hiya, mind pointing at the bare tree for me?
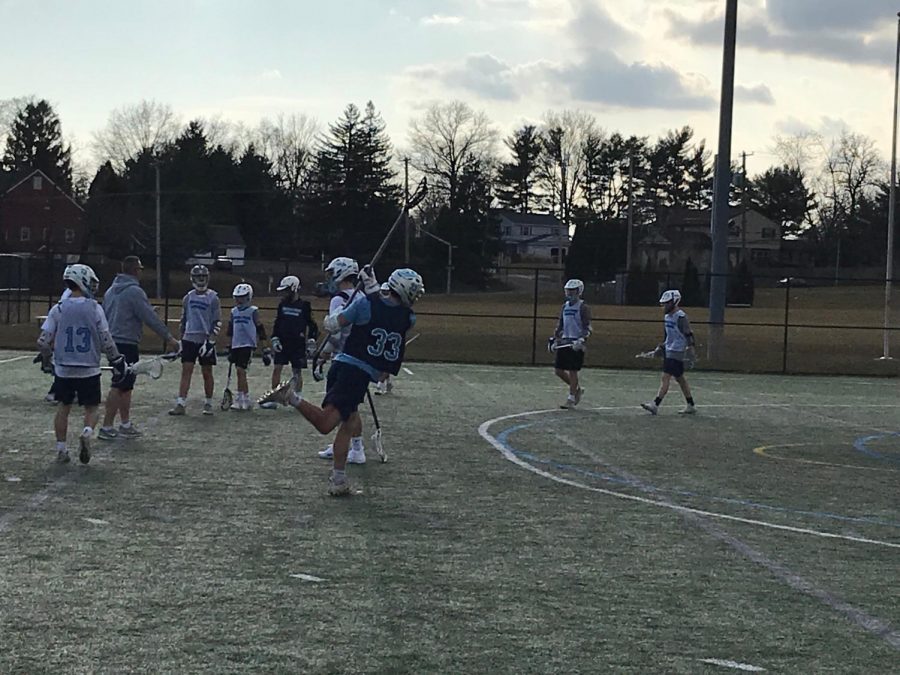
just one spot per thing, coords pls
(132, 129)
(449, 138)
(566, 135)
(288, 142)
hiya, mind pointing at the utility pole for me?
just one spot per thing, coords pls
(892, 208)
(719, 282)
(159, 272)
(406, 209)
(744, 204)
(628, 246)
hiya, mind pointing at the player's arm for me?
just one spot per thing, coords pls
(48, 333)
(215, 311)
(359, 312)
(182, 325)
(107, 344)
(312, 328)
(586, 320)
(685, 327)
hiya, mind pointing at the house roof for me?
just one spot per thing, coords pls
(547, 219)
(226, 235)
(46, 178)
(682, 217)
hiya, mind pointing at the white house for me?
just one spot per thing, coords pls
(225, 241)
(534, 236)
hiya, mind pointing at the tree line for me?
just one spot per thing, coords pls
(292, 187)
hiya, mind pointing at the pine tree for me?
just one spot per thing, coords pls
(516, 179)
(35, 142)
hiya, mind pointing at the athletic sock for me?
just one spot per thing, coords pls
(60, 446)
(657, 401)
(125, 425)
(209, 401)
(179, 400)
(356, 443)
(338, 476)
(88, 432)
(690, 400)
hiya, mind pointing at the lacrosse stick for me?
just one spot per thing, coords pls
(565, 345)
(227, 396)
(152, 367)
(414, 199)
(413, 338)
(376, 437)
(646, 355)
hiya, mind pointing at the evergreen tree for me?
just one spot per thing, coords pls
(35, 142)
(691, 291)
(516, 179)
(781, 194)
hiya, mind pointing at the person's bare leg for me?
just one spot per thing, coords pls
(323, 419)
(276, 375)
(573, 382)
(341, 446)
(664, 386)
(208, 382)
(125, 407)
(685, 388)
(61, 422)
(242, 380)
(564, 376)
(91, 414)
(187, 371)
(113, 406)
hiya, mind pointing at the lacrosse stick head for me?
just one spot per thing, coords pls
(152, 367)
(379, 446)
(645, 355)
(227, 399)
(317, 373)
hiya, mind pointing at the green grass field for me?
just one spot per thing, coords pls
(503, 536)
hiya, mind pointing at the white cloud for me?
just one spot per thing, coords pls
(441, 20)
(757, 94)
(271, 74)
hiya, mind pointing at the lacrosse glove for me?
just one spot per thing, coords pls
(550, 342)
(310, 348)
(578, 345)
(331, 324)
(46, 363)
(370, 283)
(207, 349)
(276, 345)
(267, 357)
(120, 369)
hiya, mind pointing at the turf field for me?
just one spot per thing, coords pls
(503, 536)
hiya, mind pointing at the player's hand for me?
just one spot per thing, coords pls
(310, 348)
(370, 283)
(120, 369)
(331, 323)
(207, 349)
(174, 344)
(550, 342)
(267, 357)
(276, 345)
(46, 362)
(578, 345)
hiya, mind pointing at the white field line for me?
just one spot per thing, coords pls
(96, 521)
(855, 615)
(17, 358)
(512, 457)
(407, 370)
(307, 577)
(726, 663)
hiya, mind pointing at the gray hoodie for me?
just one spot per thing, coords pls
(128, 309)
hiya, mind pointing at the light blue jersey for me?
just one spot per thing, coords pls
(77, 329)
(201, 313)
(574, 321)
(243, 326)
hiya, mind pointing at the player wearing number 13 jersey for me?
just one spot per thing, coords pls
(375, 346)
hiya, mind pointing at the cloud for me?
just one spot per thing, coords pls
(592, 27)
(840, 37)
(759, 94)
(802, 16)
(481, 74)
(440, 20)
(271, 74)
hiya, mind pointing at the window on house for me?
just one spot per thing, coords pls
(768, 233)
(25, 234)
(37, 182)
(70, 236)
(507, 230)
(525, 230)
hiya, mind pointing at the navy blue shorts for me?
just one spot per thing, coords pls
(131, 354)
(345, 388)
(296, 356)
(569, 359)
(190, 353)
(85, 389)
(673, 367)
(240, 356)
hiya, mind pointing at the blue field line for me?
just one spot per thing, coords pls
(861, 444)
(503, 437)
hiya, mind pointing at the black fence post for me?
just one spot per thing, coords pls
(787, 305)
(534, 317)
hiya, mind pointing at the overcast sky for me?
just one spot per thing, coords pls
(641, 66)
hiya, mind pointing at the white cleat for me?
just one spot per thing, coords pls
(62, 456)
(569, 404)
(341, 489)
(356, 456)
(327, 453)
(688, 410)
(650, 407)
(208, 409)
(269, 405)
(578, 395)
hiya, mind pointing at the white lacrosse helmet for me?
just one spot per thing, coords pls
(673, 296)
(200, 277)
(83, 277)
(407, 284)
(289, 283)
(242, 294)
(341, 268)
(576, 285)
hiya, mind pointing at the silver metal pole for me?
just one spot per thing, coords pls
(719, 267)
(159, 293)
(889, 265)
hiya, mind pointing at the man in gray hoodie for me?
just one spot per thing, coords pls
(127, 310)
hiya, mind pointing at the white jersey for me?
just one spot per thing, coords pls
(200, 314)
(76, 326)
(336, 305)
(678, 335)
(574, 321)
(243, 326)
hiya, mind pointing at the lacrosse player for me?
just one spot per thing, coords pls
(245, 330)
(127, 309)
(342, 275)
(74, 334)
(201, 320)
(51, 395)
(293, 335)
(375, 346)
(568, 340)
(385, 386)
(676, 349)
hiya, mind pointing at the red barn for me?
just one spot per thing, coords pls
(35, 214)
